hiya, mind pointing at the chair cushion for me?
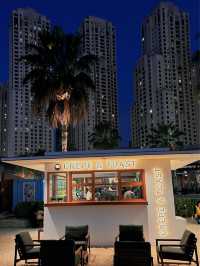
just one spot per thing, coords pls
(25, 240)
(131, 233)
(77, 233)
(82, 244)
(173, 253)
(33, 253)
(188, 241)
(185, 237)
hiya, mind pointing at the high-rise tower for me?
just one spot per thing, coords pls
(27, 133)
(163, 87)
(3, 119)
(196, 86)
(98, 38)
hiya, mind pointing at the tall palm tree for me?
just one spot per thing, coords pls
(166, 135)
(60, 78)
(104, 136)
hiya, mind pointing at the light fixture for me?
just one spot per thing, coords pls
(57, 166)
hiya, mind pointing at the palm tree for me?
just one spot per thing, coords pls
(60, 78)
(104, 136)
(166, 135)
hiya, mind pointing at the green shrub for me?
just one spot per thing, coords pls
(27, 209)
(184, 206)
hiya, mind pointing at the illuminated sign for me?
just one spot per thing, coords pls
(103, 164)
(161, 203)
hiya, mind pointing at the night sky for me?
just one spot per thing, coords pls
(126, 16)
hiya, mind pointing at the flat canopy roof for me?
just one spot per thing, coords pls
(177, 158)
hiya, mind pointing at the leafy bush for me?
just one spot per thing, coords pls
(28, 210)
(184, 206)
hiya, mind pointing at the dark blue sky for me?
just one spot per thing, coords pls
(126, 16)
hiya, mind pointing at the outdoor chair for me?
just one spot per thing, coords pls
(137, 253)
(60, 252)
(80, 234)
(130, 233)
(26, 248)
(174, 253)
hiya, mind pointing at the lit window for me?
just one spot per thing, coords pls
(131, 185)
(82, 187)
(106, 186)
(58, 187)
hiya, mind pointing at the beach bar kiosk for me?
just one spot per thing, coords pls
(107, 188)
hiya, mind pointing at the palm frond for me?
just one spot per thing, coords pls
(86, 62)
(165, 135)
(104, 136)
(83, 80)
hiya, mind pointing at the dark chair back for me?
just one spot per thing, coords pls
(189, 243)
(57, 252)
(131, 233)
(77, 233)
(132, 253)
(24, 243)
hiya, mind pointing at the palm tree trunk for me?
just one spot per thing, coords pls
(64, 137)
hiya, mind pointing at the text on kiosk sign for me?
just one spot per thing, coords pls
(99, 164)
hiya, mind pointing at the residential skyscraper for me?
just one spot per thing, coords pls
(3, 119)
(98, 38)
(196, 86)
(162, 76)
(27, 133)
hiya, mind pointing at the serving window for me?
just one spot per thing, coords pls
(96, 187)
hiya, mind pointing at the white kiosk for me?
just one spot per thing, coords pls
(106, 188)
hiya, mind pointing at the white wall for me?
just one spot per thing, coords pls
(103, 220)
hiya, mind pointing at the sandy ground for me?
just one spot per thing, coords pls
(98, 257)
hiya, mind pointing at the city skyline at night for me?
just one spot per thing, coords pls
(126, 18)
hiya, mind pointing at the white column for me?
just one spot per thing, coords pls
(161, 211)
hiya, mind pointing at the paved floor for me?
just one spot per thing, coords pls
(99, 256)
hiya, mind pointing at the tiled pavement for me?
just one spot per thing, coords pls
(98, 257)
